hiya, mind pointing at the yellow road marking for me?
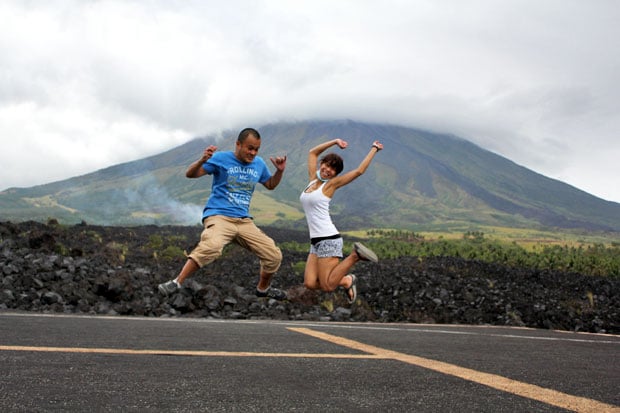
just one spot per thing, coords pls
(549, 396)
(531, 391)
(184, 352)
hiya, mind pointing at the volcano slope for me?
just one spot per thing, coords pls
(115, 271)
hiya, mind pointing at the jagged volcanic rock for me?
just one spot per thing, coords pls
(115, 271)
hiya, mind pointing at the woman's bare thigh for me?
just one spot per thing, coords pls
(324, 269)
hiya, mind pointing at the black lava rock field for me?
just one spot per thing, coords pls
(85, 269)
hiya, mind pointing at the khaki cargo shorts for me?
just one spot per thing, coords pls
(220, 230)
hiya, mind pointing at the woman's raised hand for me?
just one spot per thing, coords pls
(341, 143)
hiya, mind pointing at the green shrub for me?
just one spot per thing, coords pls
(171, 252)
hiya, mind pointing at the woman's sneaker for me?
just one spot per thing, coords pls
(365, 253)
(271, 293)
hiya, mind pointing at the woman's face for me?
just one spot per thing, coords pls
(326, 171)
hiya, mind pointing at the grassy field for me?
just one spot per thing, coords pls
(567, 251)
(266, 210)
(529, 239)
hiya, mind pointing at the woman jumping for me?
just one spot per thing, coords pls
(324, 268)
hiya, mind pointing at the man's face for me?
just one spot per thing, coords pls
(246, 151)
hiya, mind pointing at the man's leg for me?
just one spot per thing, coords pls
(172, 286)
(264, 281)
(188, 269)
(218, 231)
(255, 240)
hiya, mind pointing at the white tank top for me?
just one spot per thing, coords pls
(316, 208)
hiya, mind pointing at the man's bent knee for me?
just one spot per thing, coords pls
(271, 263)
(202, 258)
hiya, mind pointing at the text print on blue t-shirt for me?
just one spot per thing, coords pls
(233, 184)
(241, 181)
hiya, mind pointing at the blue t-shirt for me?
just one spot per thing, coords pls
(233, 184)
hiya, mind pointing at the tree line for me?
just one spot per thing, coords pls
(593, 259)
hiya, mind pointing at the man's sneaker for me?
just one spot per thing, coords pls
(168, 287)
(272, 293)
(365, 253)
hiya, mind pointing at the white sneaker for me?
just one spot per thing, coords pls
(168, 287)
(365, 253)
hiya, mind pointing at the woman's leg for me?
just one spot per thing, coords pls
(311, 273)
(332, 272)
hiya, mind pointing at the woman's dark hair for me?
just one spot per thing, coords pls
(247, 132)
(333, 161)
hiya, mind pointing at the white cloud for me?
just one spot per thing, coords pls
(85, 85)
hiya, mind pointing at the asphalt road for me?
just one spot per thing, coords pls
(96, 364)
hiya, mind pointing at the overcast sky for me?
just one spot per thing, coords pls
(89, 84)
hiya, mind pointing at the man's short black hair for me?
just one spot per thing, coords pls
(243, 135)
